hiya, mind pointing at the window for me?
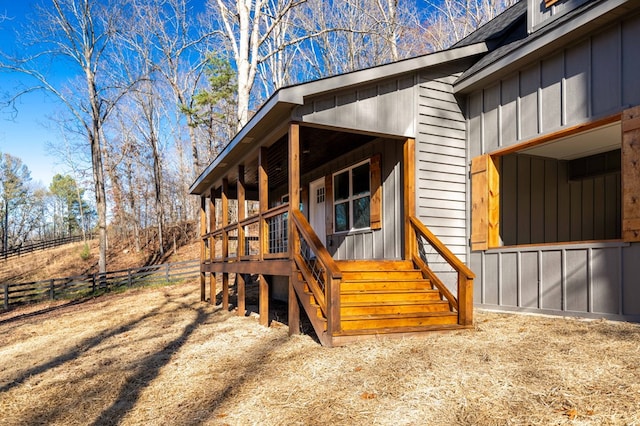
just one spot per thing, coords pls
(352, 198)
(549, 193)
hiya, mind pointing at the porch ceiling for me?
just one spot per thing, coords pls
(317, 147)
(594, 141)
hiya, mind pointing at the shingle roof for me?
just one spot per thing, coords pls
(499, 27)
(517, 35)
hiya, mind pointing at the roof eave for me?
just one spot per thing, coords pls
(289, 97)
(547, 42)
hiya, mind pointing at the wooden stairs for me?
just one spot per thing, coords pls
(380, 298)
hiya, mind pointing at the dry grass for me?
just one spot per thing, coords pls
(159, 356)
(66, 261)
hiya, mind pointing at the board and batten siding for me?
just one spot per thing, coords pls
(384, 107)
(591, 78)
(586, 279)
(539, 14)
(539, 204)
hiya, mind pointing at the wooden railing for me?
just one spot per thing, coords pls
(464, 301)
(91, 284)
(319, 270)
(40, 245)
(243, 240)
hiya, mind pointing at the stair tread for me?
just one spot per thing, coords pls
(393, 280)
(400, 330)
(401, 315)
(389, 291)
(392, 303)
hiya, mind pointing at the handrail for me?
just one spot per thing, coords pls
(464, 302)
(328, 297)
(315, 244)
(283, 208)
(249, 220)
(444, 251)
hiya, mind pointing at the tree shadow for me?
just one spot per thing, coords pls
(46, 310)
(149, 369)
(81, 348)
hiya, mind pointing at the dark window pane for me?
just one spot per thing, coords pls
(361, 215)
(361, 179)
(341, 186)
(342, 217)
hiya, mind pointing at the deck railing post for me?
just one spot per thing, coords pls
(167, 274)
(6, 297)
(465, 300)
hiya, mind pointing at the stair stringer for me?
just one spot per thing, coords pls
(304, 297)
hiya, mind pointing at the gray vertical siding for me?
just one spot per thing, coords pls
(539, 205)
(593, 77)
(385, 107)
(540, 14)
(587, 279)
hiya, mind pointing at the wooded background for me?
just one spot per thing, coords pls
(153, 89)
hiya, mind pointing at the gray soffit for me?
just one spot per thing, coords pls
(278, 108)
(512, 55)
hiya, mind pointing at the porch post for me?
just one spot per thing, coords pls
(212, 245)
(263, 197)
(294, 310)
(203, 232)
(409, 185)
(241, 211)
(264, 301)
(225, 241)
(294, 184)
(294, 204)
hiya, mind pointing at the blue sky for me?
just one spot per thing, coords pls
(26, 134)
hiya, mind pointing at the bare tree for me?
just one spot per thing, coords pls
(452, 20)
(246, 25)
(174, 43)
(79, 34)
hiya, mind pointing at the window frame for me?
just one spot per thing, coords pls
(351, 198)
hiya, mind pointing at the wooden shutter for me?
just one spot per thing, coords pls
(630, 163)
(485, 202)
(376, 193)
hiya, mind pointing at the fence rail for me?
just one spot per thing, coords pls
(40, 245)
(85, 285)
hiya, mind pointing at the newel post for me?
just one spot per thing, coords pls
(465, 300)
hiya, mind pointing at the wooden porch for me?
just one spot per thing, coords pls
(345, 300)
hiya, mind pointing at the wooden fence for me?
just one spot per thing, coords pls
(86, 285)
(40, 245)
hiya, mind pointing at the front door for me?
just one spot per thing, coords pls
(317, 208)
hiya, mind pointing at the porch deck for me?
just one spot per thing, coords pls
(345, 300)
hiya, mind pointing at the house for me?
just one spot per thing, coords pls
(368, 198)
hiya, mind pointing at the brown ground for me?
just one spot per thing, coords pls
(66, 261)
(161, 357)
